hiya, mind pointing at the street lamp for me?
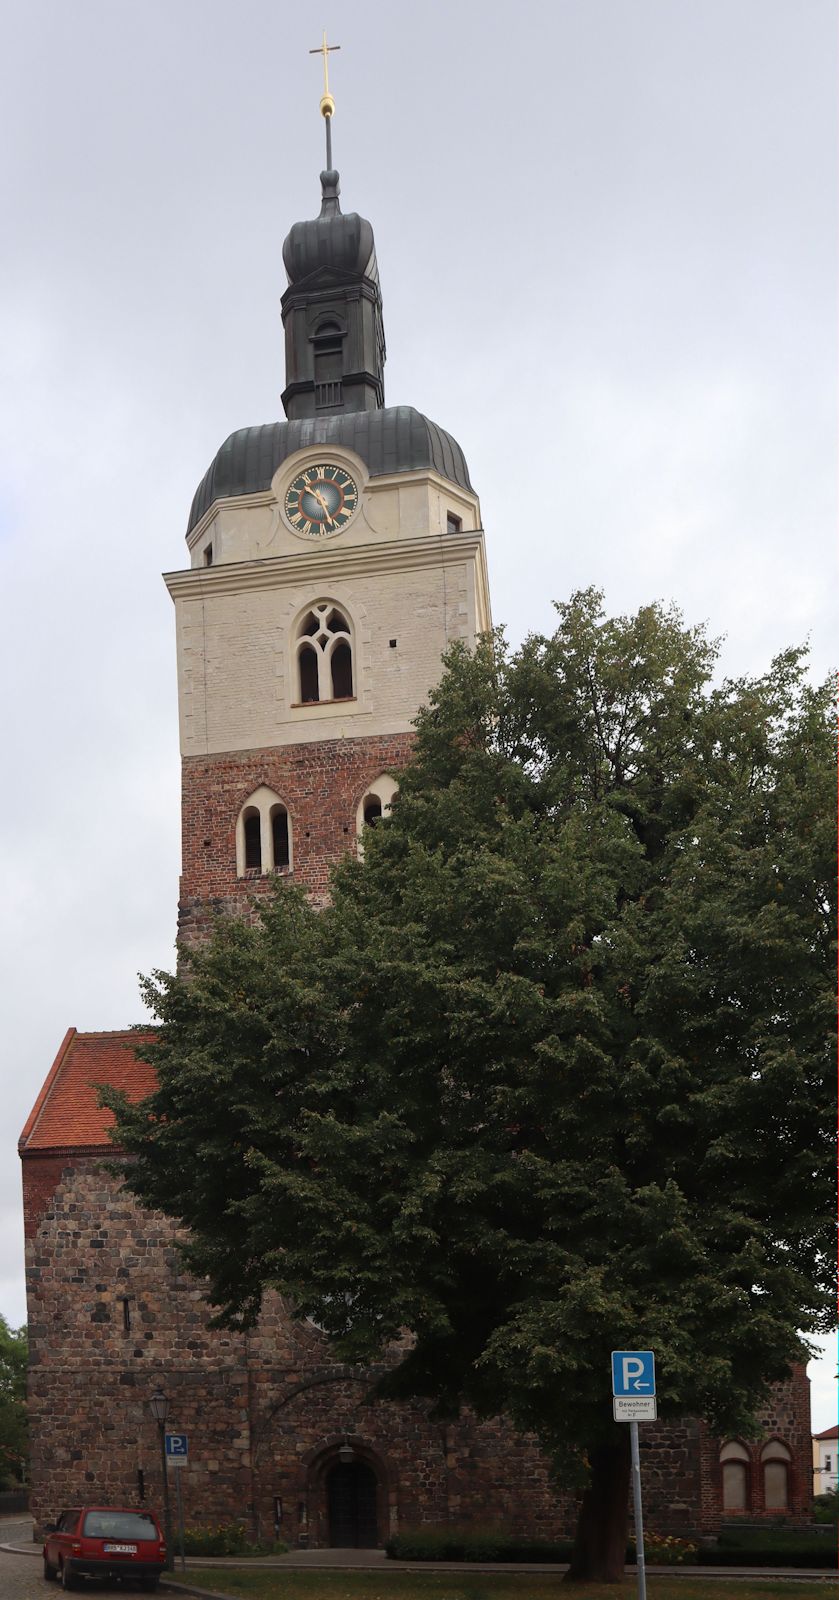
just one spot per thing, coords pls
(159, 1403)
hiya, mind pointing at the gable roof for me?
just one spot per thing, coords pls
(828, 1433)
(66, 1114)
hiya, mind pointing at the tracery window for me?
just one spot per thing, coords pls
(324, 650)
(263, 835)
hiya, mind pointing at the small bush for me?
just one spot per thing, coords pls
(664, 1550)
(229, 1539)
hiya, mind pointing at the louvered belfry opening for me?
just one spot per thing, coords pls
(332, 313)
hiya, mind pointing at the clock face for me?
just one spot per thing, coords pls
(321, 500)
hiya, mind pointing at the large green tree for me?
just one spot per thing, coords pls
(551, 1075)
(13, 1424)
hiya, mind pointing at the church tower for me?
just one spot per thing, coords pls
(334, 556)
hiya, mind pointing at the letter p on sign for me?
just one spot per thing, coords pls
(633, 1372)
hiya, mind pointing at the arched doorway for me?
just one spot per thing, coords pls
(351, 1494)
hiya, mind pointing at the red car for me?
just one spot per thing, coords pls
(104, 1542)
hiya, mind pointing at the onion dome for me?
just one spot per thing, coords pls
(332, 240)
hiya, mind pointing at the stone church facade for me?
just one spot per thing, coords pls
(333, 557)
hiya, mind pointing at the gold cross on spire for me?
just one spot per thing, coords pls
(327, 104)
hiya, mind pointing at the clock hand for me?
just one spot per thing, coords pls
(316, 494)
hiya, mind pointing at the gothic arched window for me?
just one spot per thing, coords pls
(263, 835)
(374, 804)
(324, 652)
(774, 1460)
(734, 1462)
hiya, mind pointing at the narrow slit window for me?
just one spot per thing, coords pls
(208, 555)
(253, 842)
(126, 1315)
(453, 523)
(279, 833)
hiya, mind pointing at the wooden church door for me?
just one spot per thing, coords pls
(351, 1490)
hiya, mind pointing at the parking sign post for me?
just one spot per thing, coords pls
(177, 1455)
(633, 1397)
(640, 1559)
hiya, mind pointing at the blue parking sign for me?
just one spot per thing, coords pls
(177, 1447)
(633, 1373)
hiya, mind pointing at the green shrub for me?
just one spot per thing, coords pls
(474, 1544)
(775, 1538)
(229, 1539)
(777, 1547)
(664, 1550)
(225, 1540)
(826, 1506)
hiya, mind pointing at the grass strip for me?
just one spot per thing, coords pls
(389, 1585)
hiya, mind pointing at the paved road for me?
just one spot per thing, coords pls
(21, 1575)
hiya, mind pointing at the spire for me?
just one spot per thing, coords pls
(332, 308)
(327, 103)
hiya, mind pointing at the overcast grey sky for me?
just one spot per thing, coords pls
(606, 236)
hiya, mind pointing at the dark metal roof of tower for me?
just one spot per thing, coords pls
(335, 353)
(335, 239)
(393, 439)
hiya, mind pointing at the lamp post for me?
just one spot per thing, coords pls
(159, 1403)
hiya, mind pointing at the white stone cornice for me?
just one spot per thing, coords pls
(317, 566)
(378, 485)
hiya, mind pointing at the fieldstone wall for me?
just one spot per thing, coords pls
(112, 1316)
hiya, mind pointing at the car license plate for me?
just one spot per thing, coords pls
(120, 1549)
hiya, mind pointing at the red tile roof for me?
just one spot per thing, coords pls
(828, 1433)
(66, 1114)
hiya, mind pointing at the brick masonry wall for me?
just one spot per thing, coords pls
(319, 784)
